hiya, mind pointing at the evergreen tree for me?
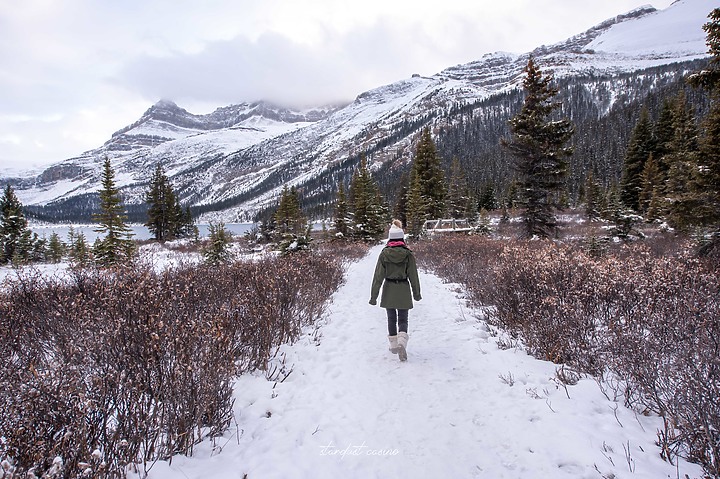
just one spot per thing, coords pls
(639, 149)
(593, 198)
(651, 184)
(166, 218)
(288, 216)
(78, 249)
(538, 145)
(663, 133)
(161, 203)
(368, 212)
(417, 207)
(342, 222)
(681, 186)
(291, 227)
(612, 207)
(512, 196)
(56, 248)
(429, 175)
(13, 225)
(29, 248)
(685, 136)
(39, 250)
(472, 211)
(218, 248)
(483, 224)
(708, 181)
(378, 215)
(488, 199)
(458, 195)
(187, 227)
(117, 246)
(400, 210)
(710, 77)
(616, 212)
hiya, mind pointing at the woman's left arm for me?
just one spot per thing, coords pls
(412, 273)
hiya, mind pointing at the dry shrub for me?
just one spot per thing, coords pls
(664, 342)
(116, 368)
(653, 321)
(343, 251)
(461, 259)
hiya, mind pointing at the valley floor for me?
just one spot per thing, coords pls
(460, 407)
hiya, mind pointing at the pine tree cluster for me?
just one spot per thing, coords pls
(672, 167)
(368, 213)
(167, 220)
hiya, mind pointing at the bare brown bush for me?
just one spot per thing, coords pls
(342, 251)
(653, 321)
(113, 369)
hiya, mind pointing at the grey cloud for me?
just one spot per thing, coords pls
(276, 68)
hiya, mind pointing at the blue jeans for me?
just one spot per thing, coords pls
(397, 319)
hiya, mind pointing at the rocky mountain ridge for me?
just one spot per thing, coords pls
(233, 162)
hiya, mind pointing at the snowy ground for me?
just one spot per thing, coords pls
(350, 409)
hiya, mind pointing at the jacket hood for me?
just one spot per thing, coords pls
(397, 254)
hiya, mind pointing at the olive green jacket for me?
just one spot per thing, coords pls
(396, 263)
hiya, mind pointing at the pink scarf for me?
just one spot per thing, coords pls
(395, 243)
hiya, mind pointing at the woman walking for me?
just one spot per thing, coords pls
(396, 272)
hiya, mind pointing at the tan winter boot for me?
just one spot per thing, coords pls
(402, 340)
(393, 344)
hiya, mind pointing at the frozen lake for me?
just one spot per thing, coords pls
(140, 232)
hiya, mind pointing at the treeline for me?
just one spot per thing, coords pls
(165, 218)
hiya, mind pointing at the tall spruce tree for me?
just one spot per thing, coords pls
(13, 225)
(663, 133)
(651, 182)
(400, 210)
(708, 181)
(417, 207)
(458, 192)
(681, 186)
(342, 222)
(427, 190)
(538, 145)
(427, 166)
(162, 214)
(116, 247)
(368, 211)
(640, 147)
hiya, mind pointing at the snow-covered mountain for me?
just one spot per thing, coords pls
(233, 162)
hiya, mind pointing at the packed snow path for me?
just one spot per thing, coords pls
(351, 409)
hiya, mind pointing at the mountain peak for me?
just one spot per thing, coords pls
(165, 103)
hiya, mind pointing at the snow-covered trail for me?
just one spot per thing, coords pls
(350, 409)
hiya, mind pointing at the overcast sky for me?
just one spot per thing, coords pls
(74, 71)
